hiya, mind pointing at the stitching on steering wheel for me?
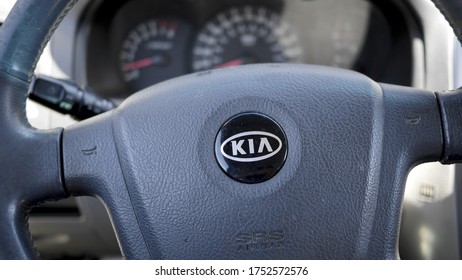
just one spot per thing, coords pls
(68, 7)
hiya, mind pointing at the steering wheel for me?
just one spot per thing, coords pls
(252, 162)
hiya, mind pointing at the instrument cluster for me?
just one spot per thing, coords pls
(135, 44)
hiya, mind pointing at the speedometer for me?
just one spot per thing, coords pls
(244, 35)
(154, 51)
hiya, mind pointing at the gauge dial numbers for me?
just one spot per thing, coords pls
(244, 35)
(153, 51)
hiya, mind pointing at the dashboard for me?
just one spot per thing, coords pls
(119, 47)
(130, 45)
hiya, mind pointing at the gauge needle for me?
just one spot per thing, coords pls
(234, 62)
(145, 62)
(158, 60)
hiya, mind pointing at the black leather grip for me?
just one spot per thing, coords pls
(25, 33)
(450, 103)
(30, 172)
(451, 9)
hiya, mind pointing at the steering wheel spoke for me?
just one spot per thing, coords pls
(412, 135)
(92, 168)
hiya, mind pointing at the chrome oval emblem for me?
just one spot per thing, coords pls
(257, 144)
(251, 148)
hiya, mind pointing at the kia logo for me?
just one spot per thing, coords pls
(251, 146)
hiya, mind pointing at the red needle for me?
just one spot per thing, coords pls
(234, 62)
(145, 62)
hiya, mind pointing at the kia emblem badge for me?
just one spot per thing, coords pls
(251, 148)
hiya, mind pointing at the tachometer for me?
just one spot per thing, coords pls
(154, 51)
(245, 35)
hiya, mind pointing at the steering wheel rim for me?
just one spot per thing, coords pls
(104, 158)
